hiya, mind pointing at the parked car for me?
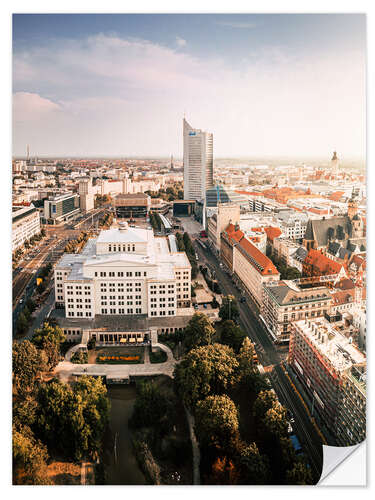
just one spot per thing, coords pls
(205, 306)
(243, 299)
(195, 306)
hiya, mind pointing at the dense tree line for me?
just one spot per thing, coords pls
(241, 427)
(52, 417)
(73, 245)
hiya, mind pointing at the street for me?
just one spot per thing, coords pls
(271, 357)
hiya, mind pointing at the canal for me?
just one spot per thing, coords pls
(121, 466)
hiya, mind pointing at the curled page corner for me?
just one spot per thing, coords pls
(333, 456)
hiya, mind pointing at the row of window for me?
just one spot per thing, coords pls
(119, 274)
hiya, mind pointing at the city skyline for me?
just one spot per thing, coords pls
(264, 85)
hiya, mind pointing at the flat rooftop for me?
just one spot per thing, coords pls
(333, 345)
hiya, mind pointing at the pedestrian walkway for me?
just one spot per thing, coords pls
(66, 369)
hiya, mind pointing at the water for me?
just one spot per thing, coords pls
(120, 464)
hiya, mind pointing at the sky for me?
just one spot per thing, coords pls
(119, 85)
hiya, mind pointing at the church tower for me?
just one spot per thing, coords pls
(335, 163)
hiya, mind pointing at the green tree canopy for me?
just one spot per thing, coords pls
(48, 332)
(216, 421)
(199, 331)
(229, 308)
(26, 365)
(254, 466)
(151, 407)
(275, 420)
(232, 335)
(263, 403)
(246, 358)
(204, 371)
(73, 418)
(30, 458)
(300, 474)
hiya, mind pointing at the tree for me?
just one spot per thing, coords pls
(21, 324)
(51, 350)
(24, 411)
(26, 361)
(150, 407)
(205, 370)
(300, 474)
(254, 466)
(30, 458)
(275, 420)
(232, 335)
(224, 472)
(199, 331)
(263, 403)
(72, 419)
(216, 421)
(53, 333)
(229, 308)
(246, 358)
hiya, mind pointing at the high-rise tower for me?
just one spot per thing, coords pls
(198, 162)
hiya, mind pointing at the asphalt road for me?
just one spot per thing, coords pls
(271, 357)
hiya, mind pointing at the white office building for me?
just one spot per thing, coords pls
(25, 225)
(198, 162)
(124, 271)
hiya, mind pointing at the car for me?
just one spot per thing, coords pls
(21, 300)
(195, 306)
(243, 299)
(205, 306)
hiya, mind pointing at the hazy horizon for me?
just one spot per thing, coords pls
(266, 86)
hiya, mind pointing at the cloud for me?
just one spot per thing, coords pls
(32, 107)
(117, 96)
(180, 42)
(235, 24)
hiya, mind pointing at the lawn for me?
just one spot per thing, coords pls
(158, 356)
(118, 355)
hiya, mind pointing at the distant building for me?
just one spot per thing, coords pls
(61, 208)
(183, 208)
(25, 224)
(86, 194)
(227, 213)
(333, 372)
(132, 205)
(198, 162)
(346, 231)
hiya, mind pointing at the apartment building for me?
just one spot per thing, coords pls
(286, 301)
(25, 225)
(250, 265)
(124, 271)
(333, 372)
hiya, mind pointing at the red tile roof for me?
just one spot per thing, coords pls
(257, 259)
(272, 232)
(322, 263)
